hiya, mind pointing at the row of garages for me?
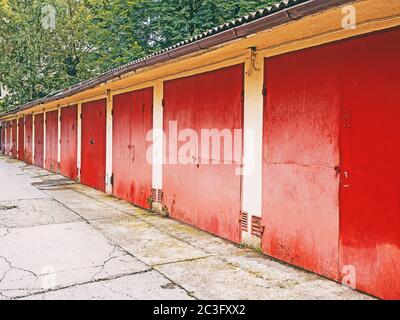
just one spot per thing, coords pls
(330, 178)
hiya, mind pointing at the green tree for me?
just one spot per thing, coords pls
(38, 58)
(160, 24)
(91, 36)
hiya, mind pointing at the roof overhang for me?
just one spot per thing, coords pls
(268, 18)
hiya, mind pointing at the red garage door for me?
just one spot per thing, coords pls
(93, 167)
(332, 118)
(39, 137)
(300, 185)
(52, 141)
(205, 195)
(8, 138)
(133, 119)
(370, 176)
(69, 139)
(2, 139)
(14, 130)
(28, 139)
(21, 139)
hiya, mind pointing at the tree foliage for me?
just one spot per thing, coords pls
(92, 36)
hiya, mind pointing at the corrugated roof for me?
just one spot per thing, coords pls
(272, 16)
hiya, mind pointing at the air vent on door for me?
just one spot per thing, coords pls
(157, 195)
(245, 222)
(160, 196)
(154, 195)
(257, 229)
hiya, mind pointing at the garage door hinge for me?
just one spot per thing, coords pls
(112, 179)
(163, 103)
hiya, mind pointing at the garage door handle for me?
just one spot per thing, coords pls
(92, 141)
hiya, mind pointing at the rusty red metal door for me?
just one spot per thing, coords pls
(14, 130)
(28, 139)
(39, 140)
(201, 190)
(69, 139)
(2, 140)
(52, 141)
(7, 145)
(370, 157)
(93, 163)
(132, 172)
(21, 139)
(300, 185)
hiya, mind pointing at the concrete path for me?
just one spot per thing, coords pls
(61, 240)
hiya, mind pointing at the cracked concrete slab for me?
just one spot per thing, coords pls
(81, 204)
(62, 240)
(52, 256)
(142, 286)
(214, 278)
(20, 188)
(147, 243)
(34, 212)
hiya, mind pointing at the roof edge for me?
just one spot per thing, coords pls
(270, 17)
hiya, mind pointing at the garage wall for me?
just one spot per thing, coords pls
(330, 177)
(93, 159)
(2, 140)
(21, 138)
(29, 139)
(303, 176)
(370, 178)
(132, 172)
(39, 140)
(68, 142)
(51, 162)
(300, 184)
(7, 145)
(14, 135)
(205, 195)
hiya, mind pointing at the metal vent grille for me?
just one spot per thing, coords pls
(157, 195)
(160, 196)
(245, 221)
(154, 195)
(256, 228)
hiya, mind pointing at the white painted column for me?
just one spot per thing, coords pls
(158, 137)
(253, 141)
(44, 138)
(109, 143)
(23, 122)
(10, 139)
(17, 142)
(5, 136)
(59, 140)
(33, 138)
(79, 142)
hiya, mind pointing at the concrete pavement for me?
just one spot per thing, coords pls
(62, 240)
